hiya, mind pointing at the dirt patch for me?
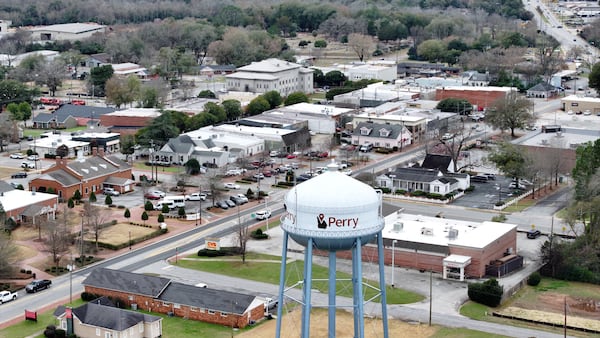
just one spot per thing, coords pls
(555, 302)
(344, 327)
(556, 319)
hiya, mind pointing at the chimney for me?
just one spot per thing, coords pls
(101, 151)
(95, 151)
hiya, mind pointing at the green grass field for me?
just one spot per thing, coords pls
(268, 272)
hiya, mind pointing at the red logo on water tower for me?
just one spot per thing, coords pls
(321, 221)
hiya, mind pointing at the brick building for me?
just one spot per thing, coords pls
(89, 174)
(128, 121)
(457, 249)
(161, 295)
(25, 206)
(481, 97)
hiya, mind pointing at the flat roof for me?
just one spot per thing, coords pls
(481, 89)
(70, 27)
(581, 98)
(305, 107)
(255, 131)
(567, 138)
(435, 231)
(133, 112)
(15, 199)
(251, 76)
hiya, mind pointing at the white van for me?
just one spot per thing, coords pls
(172, 201)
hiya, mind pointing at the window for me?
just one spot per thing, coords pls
(211, 312)
(365, 131)
(63, 324)
(177, 306)
(194, 309)
(98, 332)
(223, 314)
(108, 335)
(202, 310)
(436, 189)
(141, 327)
(384, 132)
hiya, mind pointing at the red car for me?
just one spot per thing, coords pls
(152, 196)
(291, 156)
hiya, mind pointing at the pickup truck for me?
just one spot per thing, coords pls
(7, 296)
(37, 285)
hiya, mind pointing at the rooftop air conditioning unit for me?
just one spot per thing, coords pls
(398, 226)
(426, 231)
(452, 233)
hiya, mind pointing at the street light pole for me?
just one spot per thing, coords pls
(267, 209)
(393, 255)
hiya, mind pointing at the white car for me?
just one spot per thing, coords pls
(27, 165)
(230, 185)
(262, 214)
(17, 156)
(197, 196)
(158, 193)
(33, 158)
(242, 197)
(514, 185)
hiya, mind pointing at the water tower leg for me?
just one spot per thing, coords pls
(332, 282)
(307, 289)
(380, 255)
(359, 331)
(281, 283)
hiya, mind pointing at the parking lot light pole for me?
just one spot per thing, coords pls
(267, 208)
(393, 255)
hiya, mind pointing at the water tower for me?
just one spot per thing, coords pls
(333, 212)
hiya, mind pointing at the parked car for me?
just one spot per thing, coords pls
(222, 204)
(291, 156)
(7, 296)
(447, 136)
(267, 173)
(33, 157)
(37, 285)
(17, 156)
(111, 192)
(533, 234)
(230, 185)
(19, 175)
(366, 147)
(259, 176)
(239, 199)
(151, 195)
(262, 214)
(230, 203)
(197, 196)
(27, 165)
(479, 178)
(516, 185)
(160, 193)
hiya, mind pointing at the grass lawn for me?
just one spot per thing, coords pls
(521, 205)
(446, 332)
(474, 310)
(29, 328)
(172, 169)
(269, 273)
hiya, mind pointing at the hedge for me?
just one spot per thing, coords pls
(487, 293)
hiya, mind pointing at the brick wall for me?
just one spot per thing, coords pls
(482, 98)
(183, 311)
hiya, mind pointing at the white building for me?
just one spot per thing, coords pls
(271, 74)
(319, 119)
(67, 31)
(372, 72)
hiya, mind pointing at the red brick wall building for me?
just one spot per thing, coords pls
(483, 97)
(181, 310)
(127, 122)
(86, 175)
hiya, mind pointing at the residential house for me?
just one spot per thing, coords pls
(101, 318)
(161, 295)
(476, 79)
(390, 136)
(25, 206)
(443, 163)
(69, 116)
(271, 74)
(422, 179)
(181, 149)
(542, 90)
(99, 59)
(91, 174)
(128, 68)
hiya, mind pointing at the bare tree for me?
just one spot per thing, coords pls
(95, 220)
(52, 75)
(58, 238)
(510, 112)
(242, 236)
(452, 144)
(8, 254)
(361, 45)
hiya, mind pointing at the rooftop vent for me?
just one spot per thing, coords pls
(94, 168)
(398, 226)
(426, 231)
(452, 233)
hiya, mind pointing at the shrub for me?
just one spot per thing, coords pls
(165, 209)
(418, 193)
(470, 188)
(161, 218)
(108, 200)
(148, 206)
(400, 191)
(181, 212)
(258, 234)
(487, 293)
(386, 190)
(534, 279)
(500, 218)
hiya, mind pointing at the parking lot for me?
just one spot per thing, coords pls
(487, 194)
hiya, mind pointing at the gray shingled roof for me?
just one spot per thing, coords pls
(206, 298)
(416, 174)
(64, 178)
(439, 162)
(128, 282)
(96, 166)
(111, 318)
(542, 87)
(66, 110)
(394, 130)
